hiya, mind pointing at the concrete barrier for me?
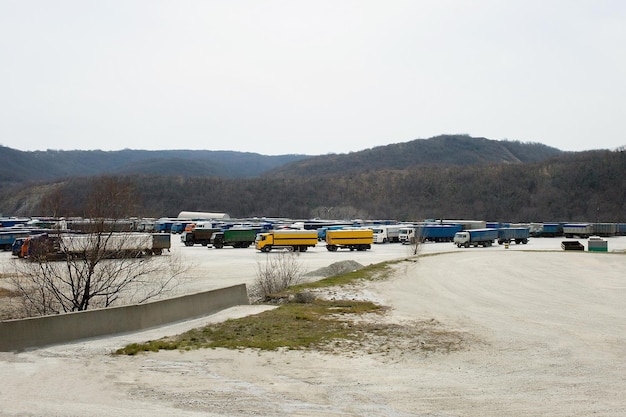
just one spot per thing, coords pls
(61, 328)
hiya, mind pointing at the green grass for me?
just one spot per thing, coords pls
(372, 272)
(291, 326)
(303, 322)
(294, 325)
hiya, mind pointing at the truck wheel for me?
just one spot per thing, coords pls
(332, 248)
(524, 241)
(188, 243)
(218, 245)
(467, 245)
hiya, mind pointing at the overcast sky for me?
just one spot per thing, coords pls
(312, 77)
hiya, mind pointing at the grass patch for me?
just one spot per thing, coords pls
(301, 322)
(291, 326)
(372, 272)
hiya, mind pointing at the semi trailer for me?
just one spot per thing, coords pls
(513, 234)
(103, 245)
(353, 239)
(475, 237)
(235, 237)
(296, 240)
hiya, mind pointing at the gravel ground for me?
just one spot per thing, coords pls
(529, 330)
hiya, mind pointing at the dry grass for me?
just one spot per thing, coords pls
(337, 326)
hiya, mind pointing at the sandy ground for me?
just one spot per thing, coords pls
(529, 331)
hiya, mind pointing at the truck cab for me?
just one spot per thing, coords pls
(461, 239)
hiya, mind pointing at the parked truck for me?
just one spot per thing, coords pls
(406, 234)
(107, 245)
(513, 234)
(549, 230)
(437, 232)
(296, 240)
(475, 237)
(235, 237)
(353, 239)
(8, 236)
(200, 234)
(429, 232)
(386, 233)
(582, 230)
(604, 229)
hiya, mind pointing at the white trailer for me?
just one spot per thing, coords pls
(115, 244)
(202, 215)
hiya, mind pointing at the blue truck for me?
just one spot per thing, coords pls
(8, 237)
(423, 232)
(513, 234)
(475, 237)
(437, 232)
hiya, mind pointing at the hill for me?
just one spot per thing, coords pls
(19, 166)
(445, 150)
(586, 186)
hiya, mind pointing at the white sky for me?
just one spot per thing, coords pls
(312, 77)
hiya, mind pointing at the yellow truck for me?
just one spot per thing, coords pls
(296, 240)
(353, 239)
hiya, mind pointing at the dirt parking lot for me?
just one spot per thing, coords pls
(540, 332)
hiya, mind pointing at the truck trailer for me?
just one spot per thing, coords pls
(296, 240)
(386, 233)
(582, 230)
(353, 239)
(429, 232)
(201, 234)
(437, 232)
(513, 234)
(549, 230)
(105, 245)
(604, 229)
(235, 237)
(475, 237)
(8, 236)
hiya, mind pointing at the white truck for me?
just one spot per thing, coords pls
(386, 233)
(475, 237)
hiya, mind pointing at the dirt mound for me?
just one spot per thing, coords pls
(336, 268)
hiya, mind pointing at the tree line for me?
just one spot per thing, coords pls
(587, 186)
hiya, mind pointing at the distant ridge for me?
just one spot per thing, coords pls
(20, 166)
(444, 150)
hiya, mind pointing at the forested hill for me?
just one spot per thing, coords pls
(585, 186)
(19, 166)
(445, 150)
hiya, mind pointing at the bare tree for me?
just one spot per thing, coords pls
(415, 242)
(76, 283)
(280, 271)
(98, 269)
(53, 203)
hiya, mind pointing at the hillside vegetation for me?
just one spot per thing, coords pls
(18, 166)
(445, 150)
(585, 186)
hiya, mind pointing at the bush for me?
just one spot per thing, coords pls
(279, 271)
